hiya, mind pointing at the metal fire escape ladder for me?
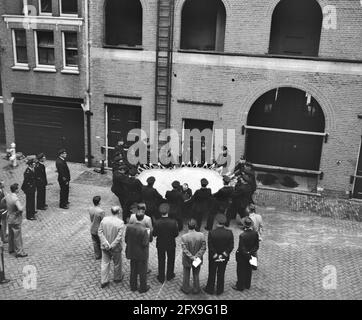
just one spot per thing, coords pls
(164, 48)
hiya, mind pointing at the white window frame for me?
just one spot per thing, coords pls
(43, 13)
(18, 65)
(69, 69)
(67, 14)
(42, 67)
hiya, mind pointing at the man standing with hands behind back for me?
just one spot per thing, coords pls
(63, 178)
(220, 243)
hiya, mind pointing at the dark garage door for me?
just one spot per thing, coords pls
(44, 124)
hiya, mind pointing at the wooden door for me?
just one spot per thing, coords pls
(121, 119)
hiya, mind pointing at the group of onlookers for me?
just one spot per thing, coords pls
(184, 204)
(108, 233)
(34, 188)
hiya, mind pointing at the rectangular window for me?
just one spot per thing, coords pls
(70, 50)
(69, 7)
(45, 48)
(45, 7)
(20, 50)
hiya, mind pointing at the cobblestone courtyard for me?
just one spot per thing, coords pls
(295, 256)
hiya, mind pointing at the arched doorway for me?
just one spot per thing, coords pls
(285, 129)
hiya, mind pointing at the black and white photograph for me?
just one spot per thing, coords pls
(180, 155)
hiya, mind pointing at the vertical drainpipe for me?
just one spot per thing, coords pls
(88, 94)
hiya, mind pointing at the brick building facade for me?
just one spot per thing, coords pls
(245, 64)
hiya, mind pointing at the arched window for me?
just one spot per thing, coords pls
(285, 128)
(123, 23)
(296, 28)
(203, 25)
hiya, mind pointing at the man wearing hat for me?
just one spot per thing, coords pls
(29, 188)
(223, 198)
(249, 176)
(221, 243)
(240, 199)
(202, 201)
(248, 246)
(63, 178)
(41, 182)
(152, 198)
(119, 180)
(166, 230)
(176, 200)
(133, 189)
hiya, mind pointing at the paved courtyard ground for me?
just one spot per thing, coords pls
(298, 256)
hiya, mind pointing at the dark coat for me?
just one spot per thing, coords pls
(119, 184)
(201, 201)
(224, 197)
(151, 198)
(29, 181)
(241, 195)
(166, 230)
(220, 241)
(175, 201)
(133, 189)
(137, 241)
(40, 175)
(248, 245)
(2, 201)
(63, 170)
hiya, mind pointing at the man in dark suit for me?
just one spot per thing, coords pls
(240, 199)
(29, 188)
(248, 246)
(133, 188)
(166, 230)
(119, 186)
(63, 178)
(137, 240)
(222, 201)
(201, 203)
(176, 201)
(41, 182)
(220, 243)
(152, 198)
(3, 214)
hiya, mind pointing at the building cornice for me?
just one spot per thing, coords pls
(32, 21)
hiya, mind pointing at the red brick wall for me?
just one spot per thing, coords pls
(33, 82)
(247, 31)
(129, 72)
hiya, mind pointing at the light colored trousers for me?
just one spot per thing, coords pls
(196, 280)
(15, 239)
(107, 256)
